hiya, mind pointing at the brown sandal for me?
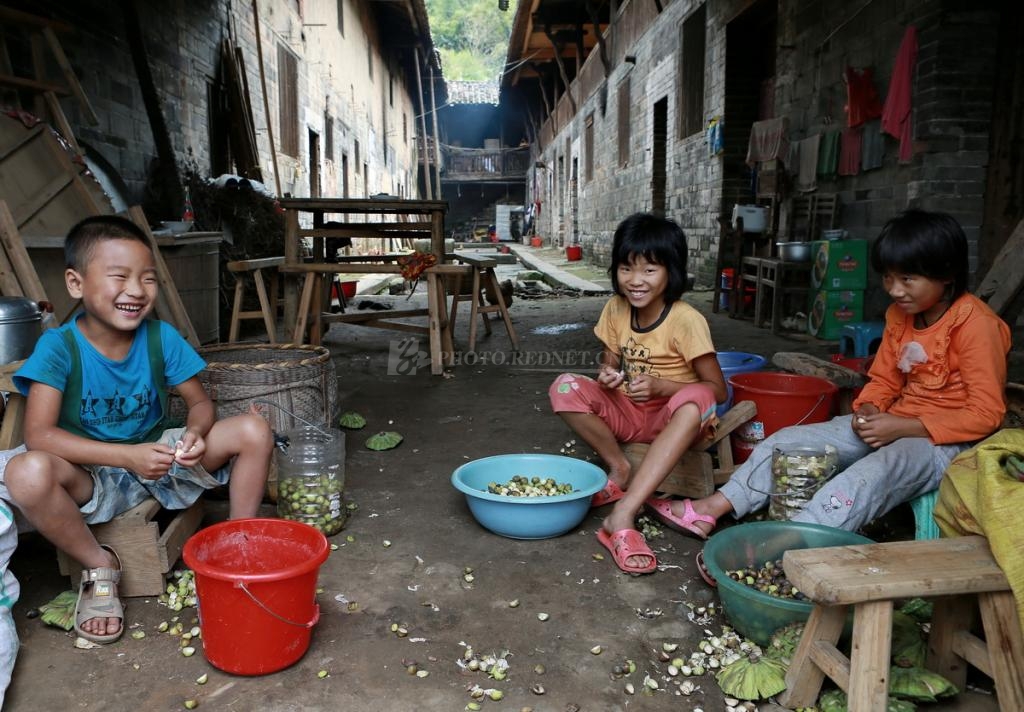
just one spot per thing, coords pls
(97, 598)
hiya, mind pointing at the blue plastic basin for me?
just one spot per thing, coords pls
(529, 517)
(733, 362)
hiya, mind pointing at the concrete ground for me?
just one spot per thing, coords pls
(484, 406)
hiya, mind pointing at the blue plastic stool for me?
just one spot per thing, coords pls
(861, 339)
(924, 522)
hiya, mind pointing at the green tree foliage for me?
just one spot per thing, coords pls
(472, 37)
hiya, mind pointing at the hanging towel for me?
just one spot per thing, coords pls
(804, 155)
(896, 114)
(849, 152)
(713, 137)
(769, 140)
(862, 102)
(872, 146)
(828, 155)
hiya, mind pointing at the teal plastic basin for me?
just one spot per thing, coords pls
(754, 614)
(529, 517)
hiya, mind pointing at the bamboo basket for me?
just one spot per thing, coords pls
(299, 379)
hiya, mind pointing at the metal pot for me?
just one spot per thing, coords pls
(794, 251)
(21, 325)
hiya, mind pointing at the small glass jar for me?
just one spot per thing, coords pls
(311, 478)
(798, 472)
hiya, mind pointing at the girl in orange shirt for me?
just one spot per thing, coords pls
(936, 387)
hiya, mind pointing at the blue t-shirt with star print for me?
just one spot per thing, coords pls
(120, 402)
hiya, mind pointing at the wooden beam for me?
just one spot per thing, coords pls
(561, 66)
(266, 98)
(14, 82)
(423, 127)
(592, 11)
(69, 75)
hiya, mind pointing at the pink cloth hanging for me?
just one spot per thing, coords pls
(849, 152)
(896, 113)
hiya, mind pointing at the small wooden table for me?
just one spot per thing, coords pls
(357, 218)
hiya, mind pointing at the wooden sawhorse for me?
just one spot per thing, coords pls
(484, 279)
(268, 298)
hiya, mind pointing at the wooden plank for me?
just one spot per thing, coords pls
(902, 569)
(33, 85)
(17, 256)
(13, 421)
(42, 197)
(1005, 647)
(364, 205)
(1006, 276)
(832, 662)
(804, 677)
(173, 539)
(57, 113)
(807, 365)
(952, 618)
(869, 656)
(29, 135)
(17, 17)
(262, 263)
(692, 476)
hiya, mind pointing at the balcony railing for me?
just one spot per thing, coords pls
(481, 164)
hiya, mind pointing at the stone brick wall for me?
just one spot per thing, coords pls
(182, 40)
(814, 41)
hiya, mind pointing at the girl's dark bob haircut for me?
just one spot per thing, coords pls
(930, 244)
(657, 240)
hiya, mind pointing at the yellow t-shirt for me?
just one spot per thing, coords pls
(666, 349)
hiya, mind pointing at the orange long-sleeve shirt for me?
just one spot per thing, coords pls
(957, 391)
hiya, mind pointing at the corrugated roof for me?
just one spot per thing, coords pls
(463, 92)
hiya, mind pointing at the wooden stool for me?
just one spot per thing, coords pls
(784, 279)
(696, 474)
(870, 578)
(268, 300)
(147, 553)
(482, 271)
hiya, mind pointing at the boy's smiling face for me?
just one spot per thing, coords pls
(119, 285)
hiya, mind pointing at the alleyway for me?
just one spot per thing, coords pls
(404, 496)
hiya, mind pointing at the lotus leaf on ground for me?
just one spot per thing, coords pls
(384, 440)
(352, 420)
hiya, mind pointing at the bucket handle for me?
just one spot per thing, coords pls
(814, 407)
(303, 420)
(261, 604)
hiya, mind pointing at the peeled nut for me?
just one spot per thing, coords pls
(596, 650)
(542, 616)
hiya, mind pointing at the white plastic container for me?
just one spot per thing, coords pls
(754, 217)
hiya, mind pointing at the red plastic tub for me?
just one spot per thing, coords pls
(782, 399)
(573, 253)
(256, 587)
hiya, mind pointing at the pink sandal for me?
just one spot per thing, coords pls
(611, 493)
(626, 543)
(661, 509)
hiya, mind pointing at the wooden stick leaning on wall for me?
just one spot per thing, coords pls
(169, 306)
(18, 277)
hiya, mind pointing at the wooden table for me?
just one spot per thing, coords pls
(356, 218)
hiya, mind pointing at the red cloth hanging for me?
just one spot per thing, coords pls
(862, 102)
(896, 114)
(849, 152)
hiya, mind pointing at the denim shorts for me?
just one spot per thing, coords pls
(116, 490)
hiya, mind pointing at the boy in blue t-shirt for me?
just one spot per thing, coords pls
(96, 390)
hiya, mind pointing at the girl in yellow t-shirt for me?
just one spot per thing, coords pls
(659, 383)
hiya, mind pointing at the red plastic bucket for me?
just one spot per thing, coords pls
(573, 253)
(782, 399)
(256, 587)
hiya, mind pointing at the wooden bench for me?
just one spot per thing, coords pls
(147, 552)
(268, 297)
(959, 573)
